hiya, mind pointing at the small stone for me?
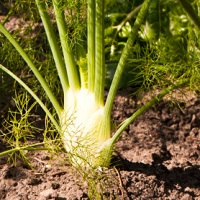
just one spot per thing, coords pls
(49, 193)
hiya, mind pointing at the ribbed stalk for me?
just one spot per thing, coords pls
(33, 95)
(91, 44)
(99, 52)
(145, 107)
(57, 55)
(65, 43)
(37, 74)
(126, 51)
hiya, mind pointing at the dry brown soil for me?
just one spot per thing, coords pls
(157, 157)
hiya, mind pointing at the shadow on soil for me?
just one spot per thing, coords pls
(188, 177)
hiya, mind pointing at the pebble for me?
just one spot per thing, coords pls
(49, 193)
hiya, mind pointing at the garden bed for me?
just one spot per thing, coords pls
(156, 158)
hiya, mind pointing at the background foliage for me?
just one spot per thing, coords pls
(166, 50)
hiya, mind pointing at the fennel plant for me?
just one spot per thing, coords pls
(83, 119)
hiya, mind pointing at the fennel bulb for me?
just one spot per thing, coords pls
(82, 123)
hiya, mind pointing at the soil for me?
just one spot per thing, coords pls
(157, 157)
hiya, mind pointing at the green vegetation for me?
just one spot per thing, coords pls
(78, 55)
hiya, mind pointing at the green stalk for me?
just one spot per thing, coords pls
(66, 49)
(33, 95)
(106, 150)
(37, 74)
(145, 107)
(91, 44)
(31, 147)
(99, 52)
(127, 49)
(53, 44)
